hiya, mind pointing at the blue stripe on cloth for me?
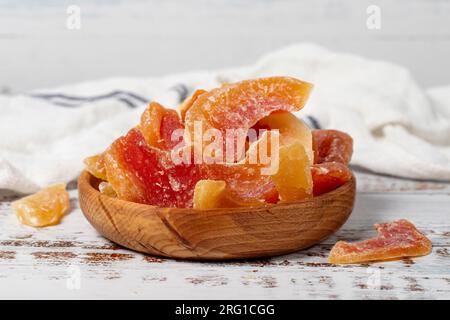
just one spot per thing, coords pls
(313, 122)
(129, 98)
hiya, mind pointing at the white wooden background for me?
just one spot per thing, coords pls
(72, 261)
(142, 38)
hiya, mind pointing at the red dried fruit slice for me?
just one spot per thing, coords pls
(144, 174)
(395, 240)
(329, 176)
(332, 146)
(241, 105)
(157, 125)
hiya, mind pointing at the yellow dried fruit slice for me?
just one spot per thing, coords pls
(293, 179)
(291, 129)
(95, 165)
(43, 208)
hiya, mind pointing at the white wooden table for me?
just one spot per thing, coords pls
(72, 260)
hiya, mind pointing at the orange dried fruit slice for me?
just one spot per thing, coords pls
(157, 125)
(96, 166)
(44, 208)
(187, 104)
(145, 174)
(213, 194)
(332, 146)
(329, 176)
(395, 240)
(249, 180)
(241, 105)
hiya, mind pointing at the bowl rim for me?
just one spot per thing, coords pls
(88, 178)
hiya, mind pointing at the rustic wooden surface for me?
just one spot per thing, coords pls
(72, 260)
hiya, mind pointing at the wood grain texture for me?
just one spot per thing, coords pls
(219, 234)
(43, 263)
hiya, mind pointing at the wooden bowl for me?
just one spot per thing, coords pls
(218, 234)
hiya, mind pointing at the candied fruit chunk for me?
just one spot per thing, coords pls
(332, 146)
(157, 125)
(144, 174)
(44, 208)
(329, 176)
(244, 182)
(106, 189)
(187, 104)
(241, 105)
(291, 129)
(293, 179)
(395, 240)
(212, 194)
(95, 165)
(209, 194)
(249, 180)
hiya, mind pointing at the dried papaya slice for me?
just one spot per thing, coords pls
(332, 146)
(157, 125)
(44, 208)
(291, 129)
(95, 165)
(241, 105)
(141, 173)
(395, 240)
(293, 179)
(329, 176)
(249, 181)
(187, 104)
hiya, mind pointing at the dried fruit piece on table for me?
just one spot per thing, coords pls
(43, 208)
(157, 125)
(144, 174)
(293, 179)
(329, 176)
(395, 240)
(332, 146)
(96, 166)
(291, 129)
(241, 105)
(187, 104)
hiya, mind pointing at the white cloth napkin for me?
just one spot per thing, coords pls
(398, 128)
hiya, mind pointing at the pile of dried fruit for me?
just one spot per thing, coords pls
(184, 159)
(234, 146)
